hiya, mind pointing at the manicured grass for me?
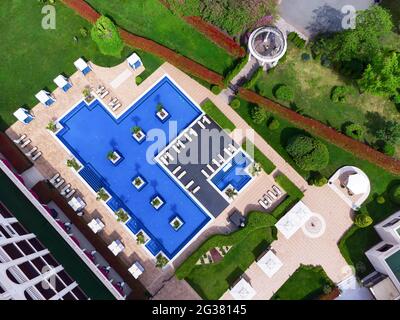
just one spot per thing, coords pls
(32, 57)
(312, 85)
(307, 283)
(289, 186)
(33, 221)
(152, 20)
(212, 280)
(267, 165)
(355, 243)
(222, 120)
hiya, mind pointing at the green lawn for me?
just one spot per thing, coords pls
(212, 280)
(33, 221)
(312, 85)
(211, 109)
(354, 244)
(152, 20)
(267, 165)
(306, 283)
(32, 57)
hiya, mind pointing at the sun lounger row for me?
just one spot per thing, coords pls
(102, 92)
(269, 198)
(57, 181)
(23, 142)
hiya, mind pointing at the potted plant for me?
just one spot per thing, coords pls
(122, 215)
(102, 195)
(72, 163)
(52, 126)
(157, 202)
(176, 223)
(141, 237)
(255, 169)
(231, 192)
(161, 113)
(138, 133)
(114, 156)
(138, 182)
(161, 260)
(87, 94)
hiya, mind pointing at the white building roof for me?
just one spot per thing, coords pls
(136, 270)
(116, 247)
(270, 263)
(294, 219)
(358, 183)
(133, 59)
(43, 96)
(242, 291)
(60, 81)
(81, 64)
(96, 225)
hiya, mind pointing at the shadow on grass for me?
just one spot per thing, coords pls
(261, 247)
(3, 124)
(234, 276)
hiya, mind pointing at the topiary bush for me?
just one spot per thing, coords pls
(305, 57)
(363, 220)
(380, 200)
(338, 94)
(394, 194)
(138, 80)
(107, 37)
(258, 114)
(388, 149)
(354, 131)
(216, 89)
(308, 153)
(235, 103)
(284, 92)
(274, 124)
(317, 179)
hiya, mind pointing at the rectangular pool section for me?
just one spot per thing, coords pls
(91, 132)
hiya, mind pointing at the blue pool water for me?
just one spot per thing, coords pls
(233, 173)
(90, 132)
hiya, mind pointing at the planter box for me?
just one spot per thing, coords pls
(159, 204)
(139, 136)
(145, 236)
(162, 115)
(176, 223)
(123, 216)
(117, 158)
(89, 99)
(229, 186)
(142, 183)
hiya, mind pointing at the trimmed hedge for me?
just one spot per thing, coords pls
(253, 80)
(267, 165)
(217, 115)
(291, 189)
(234, 71)
(296, 40)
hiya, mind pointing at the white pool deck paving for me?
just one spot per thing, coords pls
(162, 283)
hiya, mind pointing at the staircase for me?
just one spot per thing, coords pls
(91, 178)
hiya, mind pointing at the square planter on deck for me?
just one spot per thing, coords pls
(138, 134)
(114, 157)
(122, 215)
(139, 182)
(162, 114)
(176, 223)
(157, 202)
(142, 237)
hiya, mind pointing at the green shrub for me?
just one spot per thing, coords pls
(394, 194)
(235, 103)
(388, 149)
(380, 200)
(107, 37)
(258, 114)
(354, 131)
(84, 32)
(289, 186)
(284, 92)
(272, 70)
(216, 89)
(338, 94)
(396, 99)
(317, 179)
(363, 220)
(305, 57)
(232, 73)
(267, 165)
(138, 80)
(273, 124)
(255, 77)
(296, 40)
(308, 153)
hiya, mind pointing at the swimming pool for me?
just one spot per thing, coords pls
(233, 173)
(90, 132)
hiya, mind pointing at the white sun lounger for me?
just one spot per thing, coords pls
(210, 168)
(65, 189)
(176, 149)
(271, 194)
(37, 156)
(216, 163)
(193, 132)
(181, 144)
(189, 184)
(19, 140)
(227, 152)
(232, 147)
(277, 191)
(268, 198)
(29, 153)
(182, 175)
(188, 137)
(201, 124)
(168, 155)
(54, 179)
(104, 94)
(116, 107)
(206, 120)
(69, 195)
(196, 189)
(163, 160)
(100, 89)
(28, 141)
(205, 173)
(262, 204)
(221, 158)
(59, 183)
(176, 170)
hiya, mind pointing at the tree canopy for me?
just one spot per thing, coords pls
(107, 37)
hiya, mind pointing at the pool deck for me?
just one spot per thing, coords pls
(161, 282)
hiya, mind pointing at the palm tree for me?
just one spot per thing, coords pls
(231, 193)
(136, 129)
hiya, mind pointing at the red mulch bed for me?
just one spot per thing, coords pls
(187, 65)
(47, 194)
(325, 132)
(331, 295)
(215, 255)
(217, 36)
(12, 153)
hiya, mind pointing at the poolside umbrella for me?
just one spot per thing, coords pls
(357, 184)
